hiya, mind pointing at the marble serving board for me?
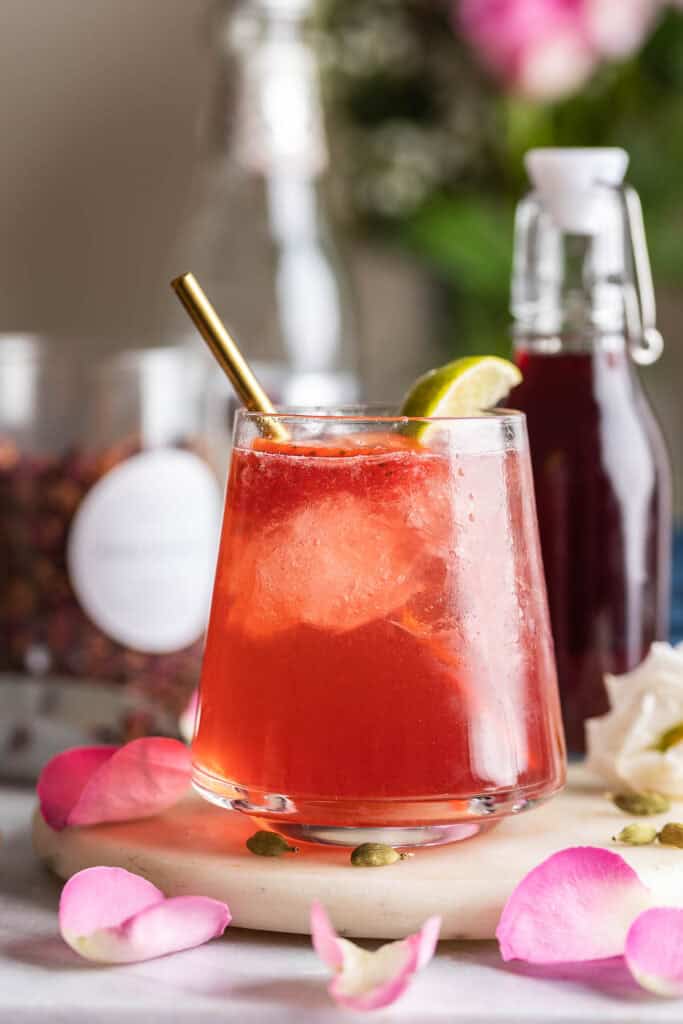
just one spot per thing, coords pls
(196, 848)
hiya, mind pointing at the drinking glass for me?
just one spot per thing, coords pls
(379, 663)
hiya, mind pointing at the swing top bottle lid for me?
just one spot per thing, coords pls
(581, 264)
(571, 183)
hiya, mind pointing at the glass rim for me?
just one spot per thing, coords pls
(363, 413)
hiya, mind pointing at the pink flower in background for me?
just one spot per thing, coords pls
(618, 29)
(546, 49)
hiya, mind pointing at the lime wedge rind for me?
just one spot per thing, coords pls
(465, 387)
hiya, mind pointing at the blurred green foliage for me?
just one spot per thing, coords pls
(432, 150)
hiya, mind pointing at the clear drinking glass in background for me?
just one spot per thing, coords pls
(379, 662)
(109, 513)
(262, 177)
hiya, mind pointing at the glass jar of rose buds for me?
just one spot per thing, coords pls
(110, 497)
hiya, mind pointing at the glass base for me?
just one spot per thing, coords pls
(398, 822)
(401, 836)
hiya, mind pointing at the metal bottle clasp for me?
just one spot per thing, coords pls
(645, 341)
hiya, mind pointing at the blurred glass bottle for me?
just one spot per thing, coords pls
(258, 236)
(583, 304)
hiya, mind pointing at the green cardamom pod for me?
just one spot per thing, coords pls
(375, 855)
(642, 804)
(269, 844)
(672, 834)
(637, 835)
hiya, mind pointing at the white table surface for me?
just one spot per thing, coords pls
(260, 977)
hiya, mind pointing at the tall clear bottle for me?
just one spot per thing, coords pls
(258, 235)
(583, 308)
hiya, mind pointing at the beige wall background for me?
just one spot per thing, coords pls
(99, 102)
(98, 107)
(97, 111)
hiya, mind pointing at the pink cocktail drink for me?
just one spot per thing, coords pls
(379, 650)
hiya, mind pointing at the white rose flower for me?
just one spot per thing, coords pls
(644, 705)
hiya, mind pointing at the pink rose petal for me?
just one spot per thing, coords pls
(326, 942)
(90, 785)
(365, 980)
(112, 916)
(187, 719)
(577, 905)
(63, 779)
(654, 950)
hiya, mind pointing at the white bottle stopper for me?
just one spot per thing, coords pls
(571, 184)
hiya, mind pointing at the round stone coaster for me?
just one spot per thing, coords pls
(196, 848)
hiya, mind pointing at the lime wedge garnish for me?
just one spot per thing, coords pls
(465, 387)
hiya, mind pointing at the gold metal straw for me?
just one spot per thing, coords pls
(226, 352)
